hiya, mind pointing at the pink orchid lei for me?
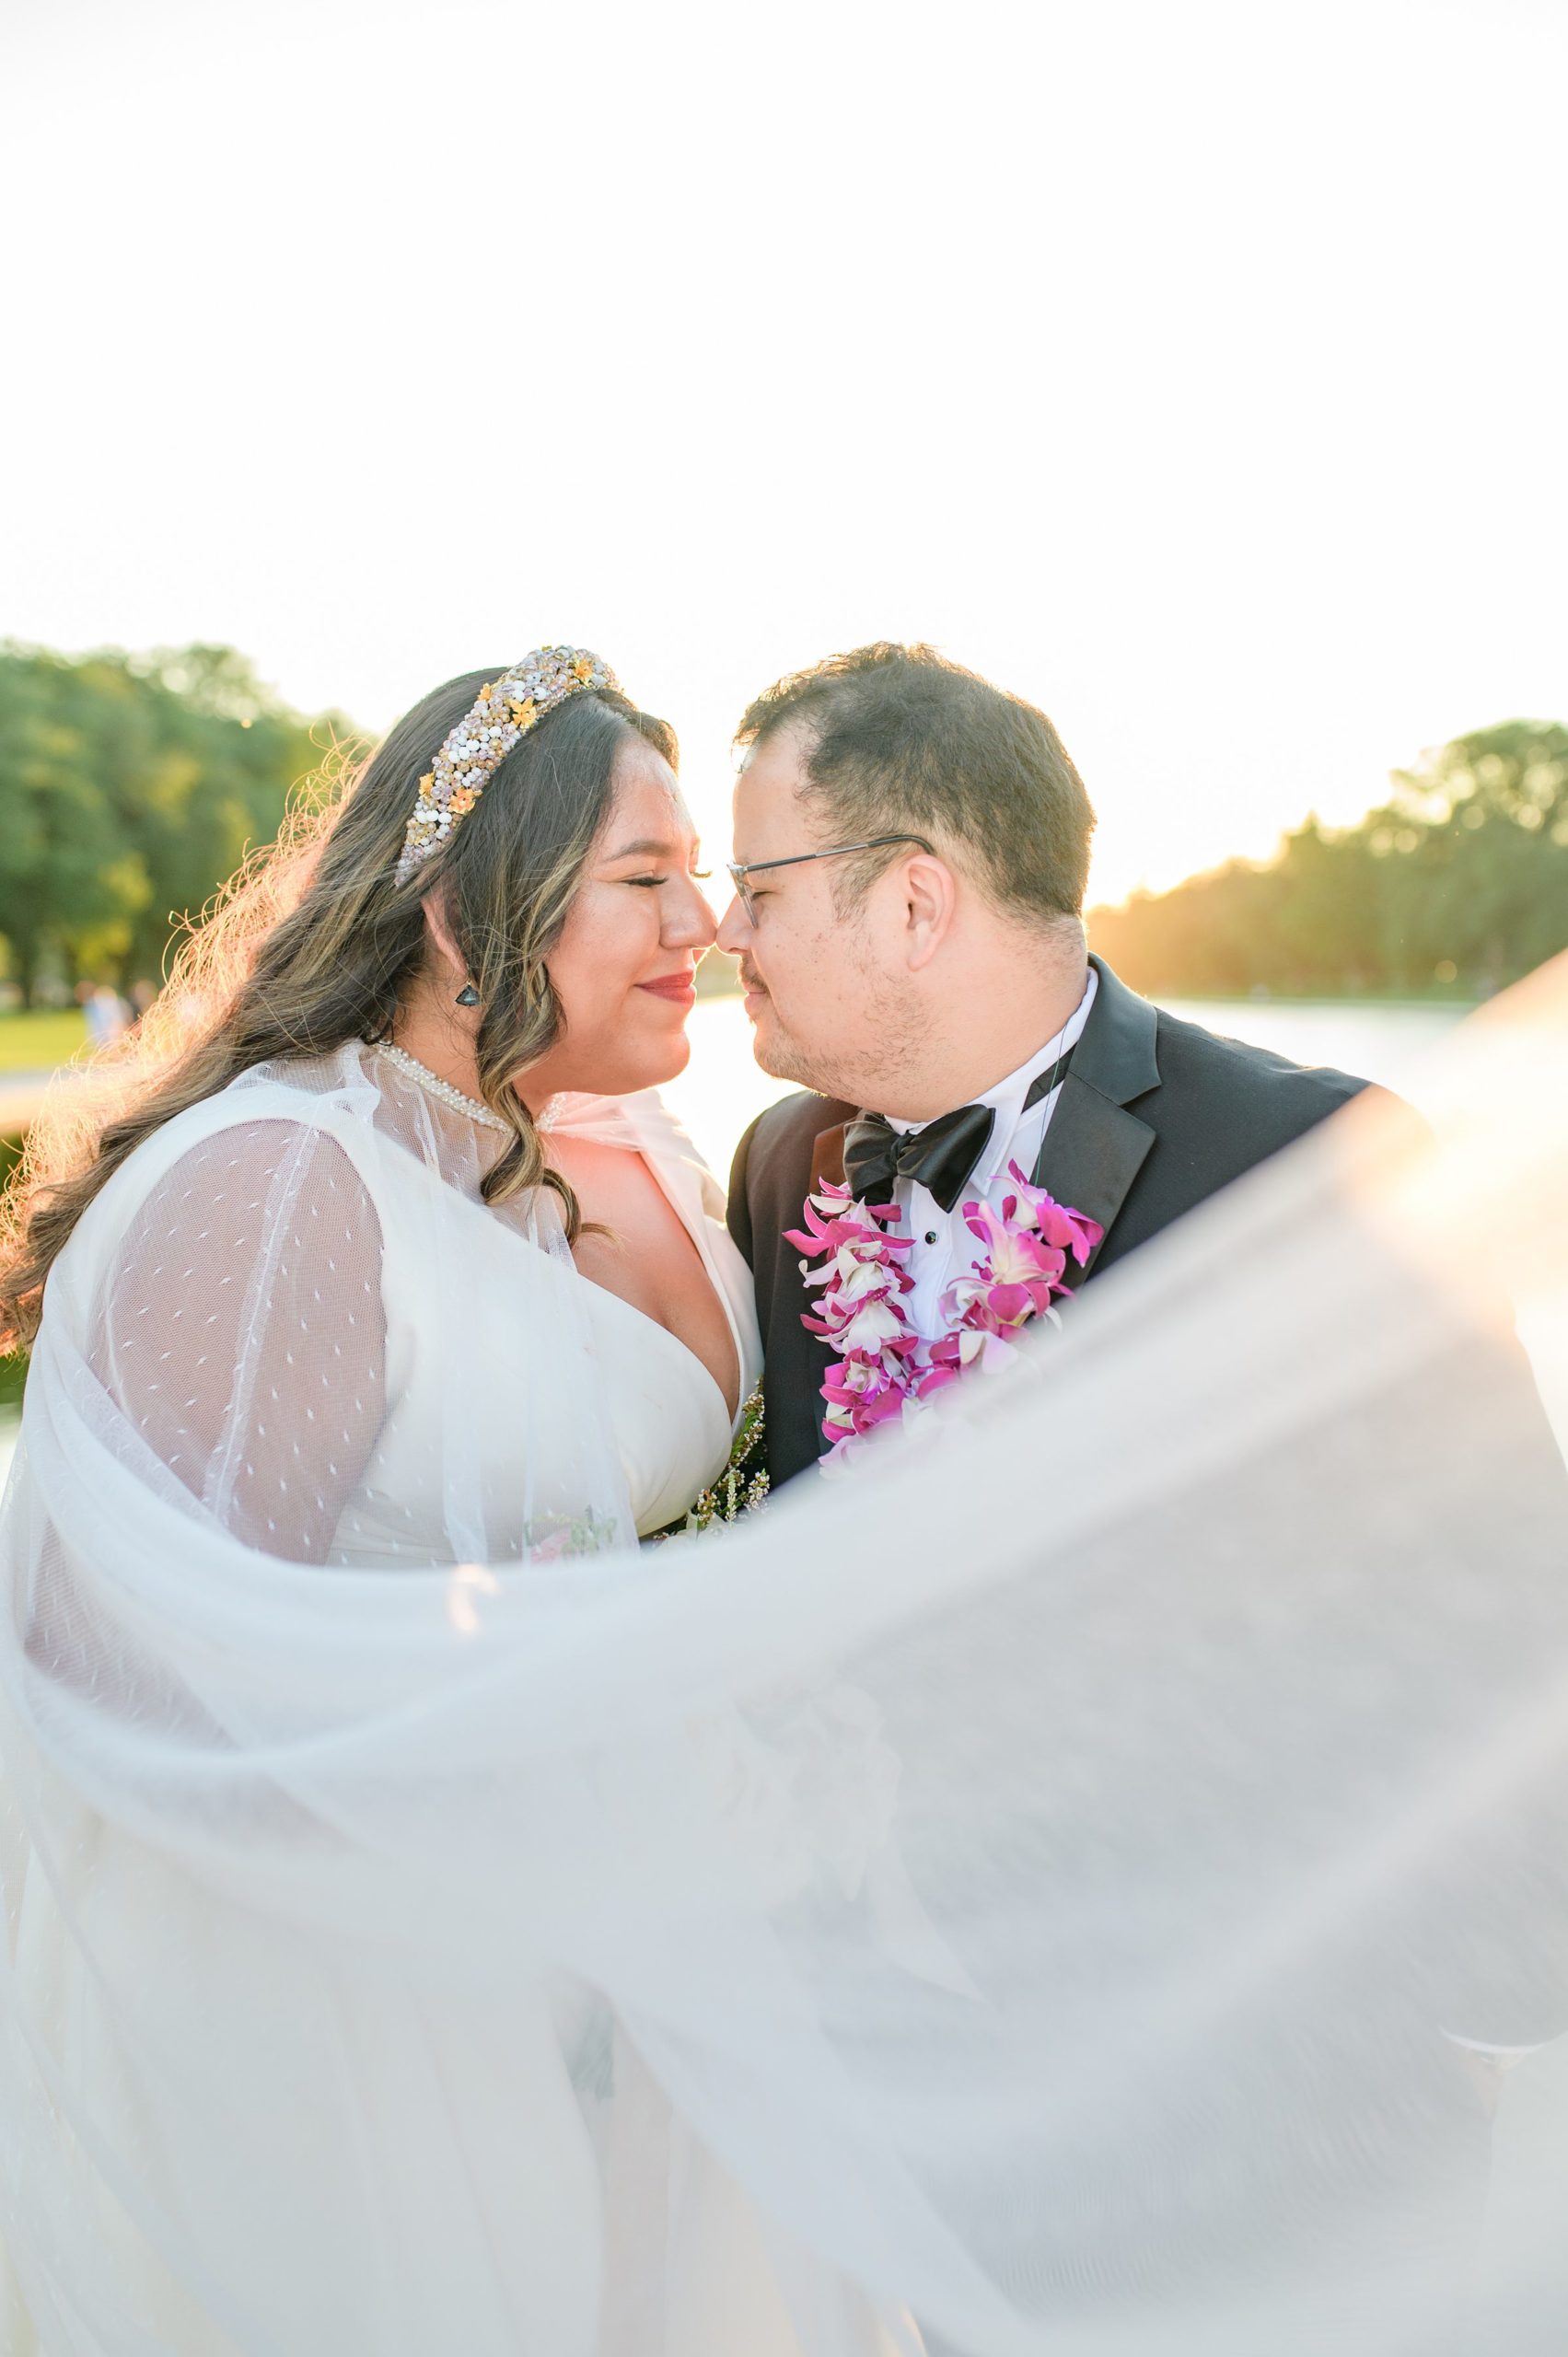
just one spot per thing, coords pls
(886, 1370)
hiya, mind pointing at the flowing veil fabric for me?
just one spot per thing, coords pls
(1041, 1892)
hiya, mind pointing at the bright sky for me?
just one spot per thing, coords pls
(1195, 370)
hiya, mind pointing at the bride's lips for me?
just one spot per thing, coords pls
(679, 988)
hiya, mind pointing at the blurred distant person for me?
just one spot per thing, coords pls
(106, 1012)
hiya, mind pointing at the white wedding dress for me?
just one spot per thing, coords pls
(1030, 1886)
(347, 1262)
(318, 1227)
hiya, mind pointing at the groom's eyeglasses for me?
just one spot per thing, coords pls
(738, 872)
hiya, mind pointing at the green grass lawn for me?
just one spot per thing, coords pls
(30, 1043)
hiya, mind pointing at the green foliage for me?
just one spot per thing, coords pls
(744, 1484)
(12, 1369)
(130, 789)
(1459, 882)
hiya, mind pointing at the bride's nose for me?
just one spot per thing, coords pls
(691, 924)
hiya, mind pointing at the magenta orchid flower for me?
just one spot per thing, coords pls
(1014, 1256)
(1064, 1230)
(860, 1396)
(828, 1228)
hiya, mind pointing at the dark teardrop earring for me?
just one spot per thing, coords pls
(468, 995)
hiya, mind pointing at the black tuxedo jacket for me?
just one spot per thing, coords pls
(1155, 1115)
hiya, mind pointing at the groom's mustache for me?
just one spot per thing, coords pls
(753, 979)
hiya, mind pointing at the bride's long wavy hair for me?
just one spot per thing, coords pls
(308, 946)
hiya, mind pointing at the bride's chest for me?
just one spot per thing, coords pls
(635, 1246)
(523, 1409)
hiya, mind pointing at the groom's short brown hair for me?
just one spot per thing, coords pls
(897, 737)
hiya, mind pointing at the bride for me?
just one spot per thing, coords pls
(441, 1051)
(1018, 1899)
(399, 1262)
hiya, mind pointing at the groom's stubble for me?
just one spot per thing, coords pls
(877, 1037)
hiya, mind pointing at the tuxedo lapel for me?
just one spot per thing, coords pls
(796, 1362)
(1094, 1147)
(1093, 1151)
(810, 1352)
(828, 1159)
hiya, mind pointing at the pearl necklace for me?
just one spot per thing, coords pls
(434, 1087)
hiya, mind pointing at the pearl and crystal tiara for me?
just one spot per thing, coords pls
(505, 711)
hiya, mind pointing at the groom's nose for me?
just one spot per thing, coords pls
(735, 933)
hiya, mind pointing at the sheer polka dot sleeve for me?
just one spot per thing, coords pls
(242, 1333)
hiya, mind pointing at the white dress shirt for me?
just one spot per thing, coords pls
(944, 1248)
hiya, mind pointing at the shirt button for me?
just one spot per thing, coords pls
(931, 1236)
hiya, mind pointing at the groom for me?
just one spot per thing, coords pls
(911, 851)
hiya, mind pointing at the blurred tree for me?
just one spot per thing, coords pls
(130, 787)
(1491, 865)
(1458, 882)
(62, 868)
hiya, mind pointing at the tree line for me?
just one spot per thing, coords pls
(132, 786)
(1458, 882)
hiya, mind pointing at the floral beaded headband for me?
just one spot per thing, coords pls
(504, 711)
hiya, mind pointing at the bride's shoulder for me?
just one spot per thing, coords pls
(644, 1123)
(264, 1185)
(297, 1125)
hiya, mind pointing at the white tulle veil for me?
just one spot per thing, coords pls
(1054, 1889)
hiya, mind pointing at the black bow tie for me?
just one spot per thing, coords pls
(940, 1156)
